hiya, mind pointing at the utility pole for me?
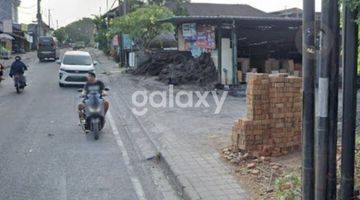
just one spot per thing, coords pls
(350, 45)
(334, 63)
(49, 17)
(57, 24)
(326, 137)
(124, 7)
(39, 18)
(308, 60)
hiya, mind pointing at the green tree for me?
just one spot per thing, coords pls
(135, 4)
(353, 3)
(81, 31)
(101, 33)
(180, 5)
(142, 25)
(61, 35)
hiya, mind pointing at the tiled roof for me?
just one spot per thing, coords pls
(209, 9)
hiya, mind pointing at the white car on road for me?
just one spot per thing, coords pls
(74, 68)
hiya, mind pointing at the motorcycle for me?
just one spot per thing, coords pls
(94, 113)
(20, 83)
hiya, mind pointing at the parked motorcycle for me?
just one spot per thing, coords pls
(20, 83)
(94, 113)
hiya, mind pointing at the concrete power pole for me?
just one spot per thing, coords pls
(123, 8)
(39, 18)
(123, 54)
(49, 17)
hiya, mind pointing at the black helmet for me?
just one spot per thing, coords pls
(17, 58)
(92, 74)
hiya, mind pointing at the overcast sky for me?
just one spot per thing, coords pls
(67, 11)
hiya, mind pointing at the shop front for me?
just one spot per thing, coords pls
(240, 45)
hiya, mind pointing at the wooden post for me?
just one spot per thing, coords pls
(234, 53)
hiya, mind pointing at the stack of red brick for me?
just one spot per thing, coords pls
(272, 126)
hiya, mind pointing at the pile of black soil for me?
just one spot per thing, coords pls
(180, 68)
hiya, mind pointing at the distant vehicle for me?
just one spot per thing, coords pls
(74, 68)
(79, 45)
(47, 48)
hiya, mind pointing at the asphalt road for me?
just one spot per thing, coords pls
(44, 155)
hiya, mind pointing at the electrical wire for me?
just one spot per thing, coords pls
(112, 6)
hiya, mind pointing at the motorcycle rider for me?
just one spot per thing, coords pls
(18, 68)
(92, 84)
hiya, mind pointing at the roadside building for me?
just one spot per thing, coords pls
(240, 38)
(22, 40)
(33, 32)
(114, 43)
(9, 10)
(8, 17)
(293, 13)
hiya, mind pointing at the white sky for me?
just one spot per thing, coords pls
(67, 11)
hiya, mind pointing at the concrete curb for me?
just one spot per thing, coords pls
(178, 182)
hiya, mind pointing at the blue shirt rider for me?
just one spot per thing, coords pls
(17, 67)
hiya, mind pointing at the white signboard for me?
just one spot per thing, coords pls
(29, 38)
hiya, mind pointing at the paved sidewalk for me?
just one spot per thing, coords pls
(185, 138)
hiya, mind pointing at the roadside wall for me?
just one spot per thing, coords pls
(272, 126)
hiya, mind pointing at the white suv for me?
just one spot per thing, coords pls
(74, 68)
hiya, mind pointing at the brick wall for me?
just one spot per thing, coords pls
(272, 126)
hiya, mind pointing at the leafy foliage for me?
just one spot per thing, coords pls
(353, 3)
(142, 25)
(78, 31)
(180, 5)
(81, 31)
(135, 4)
(288, 187)
(101, 33)
(61, 35)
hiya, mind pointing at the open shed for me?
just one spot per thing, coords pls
(242, 44)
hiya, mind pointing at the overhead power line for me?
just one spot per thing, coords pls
(113, 4)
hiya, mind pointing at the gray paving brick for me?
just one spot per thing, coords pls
(186, 149)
